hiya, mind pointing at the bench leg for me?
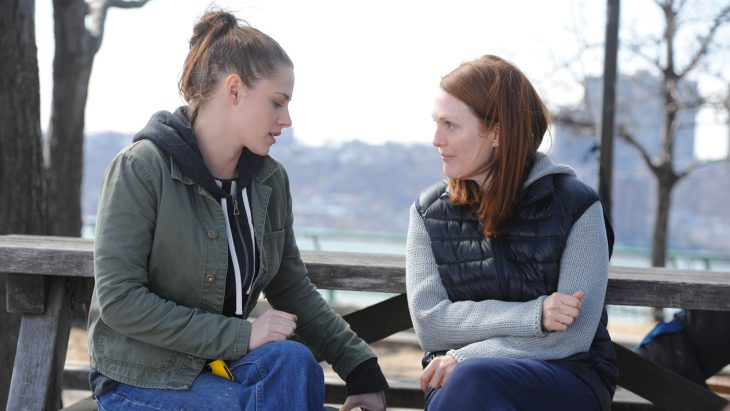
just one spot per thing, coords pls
(41, 353)
(662, 387)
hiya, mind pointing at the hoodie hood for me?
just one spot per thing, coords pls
(173, 134)
(544, 166)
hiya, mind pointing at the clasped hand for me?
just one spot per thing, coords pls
(559, 310)
(272, 325)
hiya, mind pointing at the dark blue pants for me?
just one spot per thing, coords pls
(511, 384)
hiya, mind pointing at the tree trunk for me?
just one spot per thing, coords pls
(665, 184)
(65, 139)
(608, 108)
(21, 182)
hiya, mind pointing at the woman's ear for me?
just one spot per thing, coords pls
(494, 135)
(233, 88)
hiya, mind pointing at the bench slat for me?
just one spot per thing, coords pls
(652, 287)
(45, 336)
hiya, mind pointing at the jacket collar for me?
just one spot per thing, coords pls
(260, 192)
(267, 169)
(177, 174)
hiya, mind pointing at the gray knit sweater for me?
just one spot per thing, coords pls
(493, 328)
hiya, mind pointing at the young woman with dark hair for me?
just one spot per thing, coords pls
(507, 261)
(194, 223)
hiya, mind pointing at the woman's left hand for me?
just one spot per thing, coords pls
(371, 401)
(437, 372)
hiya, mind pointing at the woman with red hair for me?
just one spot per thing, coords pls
(507, 260)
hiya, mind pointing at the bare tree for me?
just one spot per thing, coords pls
(79, 30)
(21, 178)
(661, 54)
(662, 166)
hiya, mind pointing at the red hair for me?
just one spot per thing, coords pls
(498, 94)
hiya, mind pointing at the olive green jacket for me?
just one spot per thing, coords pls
(160, 264)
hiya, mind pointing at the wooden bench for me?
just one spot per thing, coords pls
(48, 275)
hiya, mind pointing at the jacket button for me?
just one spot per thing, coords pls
(212, 234)
(209, 278)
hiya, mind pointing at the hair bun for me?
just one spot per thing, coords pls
(213, 23)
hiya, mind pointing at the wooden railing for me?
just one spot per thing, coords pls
(48, 275)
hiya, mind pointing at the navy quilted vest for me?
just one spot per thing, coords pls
(520, 264)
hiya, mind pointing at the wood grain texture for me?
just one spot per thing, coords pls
(66, 256)
(653, 287)
(41, 353)
(26, 294)
(34, 385)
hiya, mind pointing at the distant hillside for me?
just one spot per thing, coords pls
(351, 186)
(355, 185)
(366, 187)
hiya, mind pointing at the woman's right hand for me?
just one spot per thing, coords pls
(559, 310)
(272, 325)
(437, 372)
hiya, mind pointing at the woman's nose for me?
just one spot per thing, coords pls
(285, 120)
(438, 139)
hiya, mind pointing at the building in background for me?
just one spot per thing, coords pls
(639, 107)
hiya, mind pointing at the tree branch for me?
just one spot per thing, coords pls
(625, 134)
(719, 20)
(636, 49)
(130, 4)
(698, 164)
(569, 120)
(680, 6)
(98, 9)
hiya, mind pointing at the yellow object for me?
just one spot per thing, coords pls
(220, 368)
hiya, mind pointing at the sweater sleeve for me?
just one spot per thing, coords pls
(441, 324)
(583, 266)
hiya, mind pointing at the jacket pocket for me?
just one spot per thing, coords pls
(120, 350)
(273, 247)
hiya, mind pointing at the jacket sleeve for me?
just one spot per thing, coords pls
(441, 324)
(128, 208)
(583, 266)
(317, 325)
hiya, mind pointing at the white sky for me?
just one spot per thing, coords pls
(364, 70)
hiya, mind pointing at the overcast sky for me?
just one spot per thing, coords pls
(364, 70)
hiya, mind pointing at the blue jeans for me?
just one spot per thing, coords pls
(501, 384)
(276, 376)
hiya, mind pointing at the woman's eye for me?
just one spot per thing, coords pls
(277, 104)
(449, 124)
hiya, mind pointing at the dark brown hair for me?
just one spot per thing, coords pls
(498, 93)
(221, 44)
